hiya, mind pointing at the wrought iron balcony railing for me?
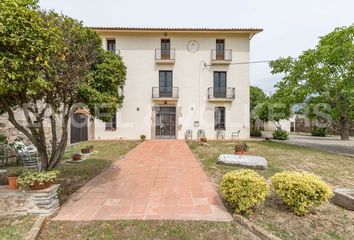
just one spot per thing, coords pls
(165, 54)
(226, 93)
(221, 55)
(165, 92)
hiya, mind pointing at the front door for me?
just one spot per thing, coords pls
(165, 122)
(165, 84)
(79, 128)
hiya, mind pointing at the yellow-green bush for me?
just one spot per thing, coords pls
(243, 189)
(301, 191)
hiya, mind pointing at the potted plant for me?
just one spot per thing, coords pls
(203, 141)
(87, 149)
(241, 148)
(12, 178)
(37, 180)
(142, 137)
(76, 156)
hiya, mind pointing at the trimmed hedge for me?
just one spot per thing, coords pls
(243, 189)
(301, 191)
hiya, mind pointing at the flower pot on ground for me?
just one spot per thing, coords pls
(76, 156)
(142, 137)
(241, 148)
(37, 180)
(203, 141)
(12, 178)
(87, 149)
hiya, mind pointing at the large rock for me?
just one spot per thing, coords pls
(248, 161)
(344, 197)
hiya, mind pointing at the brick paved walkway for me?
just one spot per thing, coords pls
(160, 179)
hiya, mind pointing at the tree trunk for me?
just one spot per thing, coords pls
(344, 128)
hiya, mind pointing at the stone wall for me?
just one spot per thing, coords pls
(20, 202)
(304, 125)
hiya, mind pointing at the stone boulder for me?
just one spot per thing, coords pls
(344, 197)
(248, 161)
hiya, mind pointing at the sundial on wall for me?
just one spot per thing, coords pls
(193, 46)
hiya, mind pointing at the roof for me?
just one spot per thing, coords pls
(160, 29)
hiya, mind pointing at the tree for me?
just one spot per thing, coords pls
(50, 64)
(257, 97)
(265, 109)
(325, 71)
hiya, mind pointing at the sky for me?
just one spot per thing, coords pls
(290, 27)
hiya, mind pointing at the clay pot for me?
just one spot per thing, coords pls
(12, 182)
(38, 186)
(86, 150)
(76, 157)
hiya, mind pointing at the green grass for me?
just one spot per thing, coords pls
(134, 230)
(328, 222)
(15, 228)
(74, 176)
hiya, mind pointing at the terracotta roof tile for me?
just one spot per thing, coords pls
(154, 29)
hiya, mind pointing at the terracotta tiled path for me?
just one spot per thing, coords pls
(157, 180)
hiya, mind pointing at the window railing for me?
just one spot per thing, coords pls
(165, 92)
(116, 51)
(221, 93)
(165, 54)
(221, 55)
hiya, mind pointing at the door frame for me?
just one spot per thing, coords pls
(156, 112)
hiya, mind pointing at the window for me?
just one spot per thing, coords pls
(111, 45)
(220, 49)
(219, 84)
(165, 83)
(219, 118)
(112, 124)
(165, 49)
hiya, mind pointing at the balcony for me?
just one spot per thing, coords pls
(165, 56)
(221, 57)
(165, 94)
(221, 94)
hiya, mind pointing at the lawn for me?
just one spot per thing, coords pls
(134, 229)
(15, 228)
(329, 222)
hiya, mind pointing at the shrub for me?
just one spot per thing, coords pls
(3, 139)
(243, 189)
(280, 134)
(142, 137)
(318, 132)
(301, 191)
(241, 147)
(29, 178)
(256, 133)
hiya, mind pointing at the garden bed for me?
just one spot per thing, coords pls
(329, 222)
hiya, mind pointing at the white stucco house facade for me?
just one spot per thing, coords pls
(180, 80)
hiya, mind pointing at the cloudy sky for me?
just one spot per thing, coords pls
(289, 26)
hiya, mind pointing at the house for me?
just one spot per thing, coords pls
(179, 79)
(285, 124)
